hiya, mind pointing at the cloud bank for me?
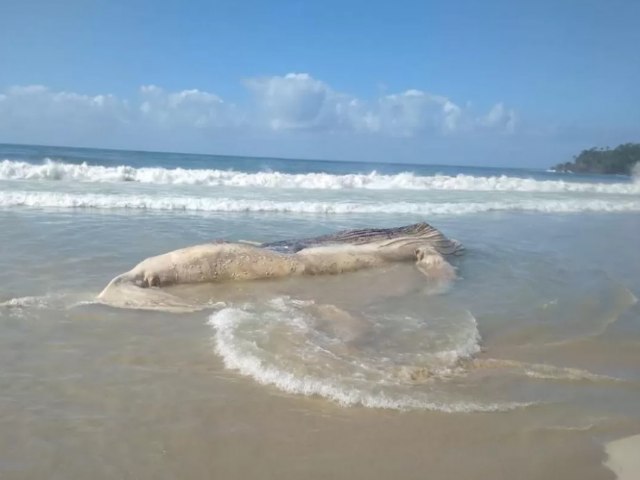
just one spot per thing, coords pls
(292, 102)
(292, 115)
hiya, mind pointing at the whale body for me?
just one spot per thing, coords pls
(346, 251)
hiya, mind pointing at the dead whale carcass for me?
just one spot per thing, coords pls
(339, 252)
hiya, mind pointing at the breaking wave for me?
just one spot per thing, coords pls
(58, 171)
(292, 345)
(211, 204)
(635, 173)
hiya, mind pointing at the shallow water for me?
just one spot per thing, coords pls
(522, 368)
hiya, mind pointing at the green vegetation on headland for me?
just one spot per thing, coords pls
(620, 160)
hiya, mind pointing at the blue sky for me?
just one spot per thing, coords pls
(493, 83)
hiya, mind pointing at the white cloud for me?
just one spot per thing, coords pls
(298, 101)
(187, 108)
(416, 112)
(36, 113)
(294, 102)
(499, 118)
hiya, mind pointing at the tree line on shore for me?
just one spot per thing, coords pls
(619, 160)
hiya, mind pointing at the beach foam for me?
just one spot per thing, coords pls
(28, 302)
(18, 306)
(211, 204)
(544, 371)
(286, 344)
(52, 170)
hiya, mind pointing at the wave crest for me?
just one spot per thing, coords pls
(58, 171)
(212, 204)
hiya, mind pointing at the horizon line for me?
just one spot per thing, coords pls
(413, 164)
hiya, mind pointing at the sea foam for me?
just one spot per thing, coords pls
(52, 170)
(43, 199)
(280, 346)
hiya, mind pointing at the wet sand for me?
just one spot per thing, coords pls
(88, 391)
(143, 396)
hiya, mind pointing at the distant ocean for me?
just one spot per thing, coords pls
(535, 347)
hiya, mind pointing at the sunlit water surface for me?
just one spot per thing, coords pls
(523, 367)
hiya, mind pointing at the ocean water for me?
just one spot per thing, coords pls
(523, 367)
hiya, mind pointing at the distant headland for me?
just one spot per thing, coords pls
(619, 160)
